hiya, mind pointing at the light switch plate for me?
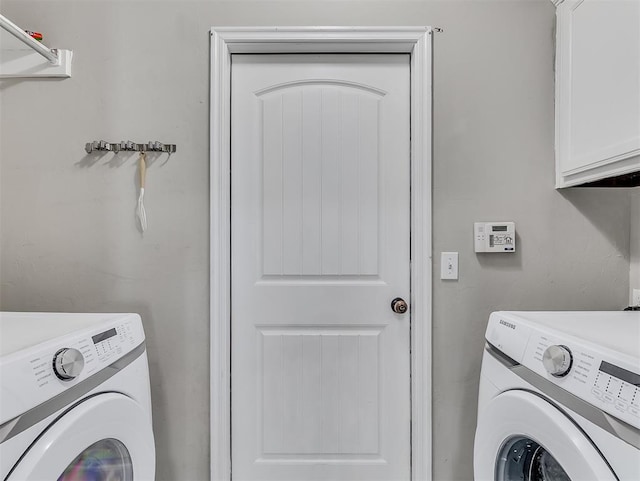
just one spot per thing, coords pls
(449, 265)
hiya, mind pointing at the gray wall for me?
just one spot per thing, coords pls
(140, 72)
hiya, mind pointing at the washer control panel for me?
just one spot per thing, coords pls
(614, 388)
(601, 376)
(617, 386)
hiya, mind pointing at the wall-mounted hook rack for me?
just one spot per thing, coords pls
(128, 146)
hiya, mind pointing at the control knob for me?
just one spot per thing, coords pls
(557, 360)
(68, 363)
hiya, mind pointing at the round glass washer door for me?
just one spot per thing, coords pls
(107, 459)
(105, 434)
(524, 459)
(522, 437)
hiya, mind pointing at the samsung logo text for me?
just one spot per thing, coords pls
(508, 324)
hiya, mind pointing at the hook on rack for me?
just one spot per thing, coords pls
(128, 146)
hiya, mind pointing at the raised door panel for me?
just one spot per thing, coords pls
(320, 392)
(320, 180)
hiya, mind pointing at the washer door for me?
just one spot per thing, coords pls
(106, 437)
(522, 437)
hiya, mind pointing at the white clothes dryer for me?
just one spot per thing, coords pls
(75, 401)
(559, 397)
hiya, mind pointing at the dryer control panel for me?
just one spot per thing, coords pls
(97, 351)
(46, 370)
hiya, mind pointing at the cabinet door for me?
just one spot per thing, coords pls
(597, 90)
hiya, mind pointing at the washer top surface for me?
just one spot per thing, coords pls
(615, 330)
(22, 330)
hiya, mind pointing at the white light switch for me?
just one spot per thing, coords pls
(449, 265)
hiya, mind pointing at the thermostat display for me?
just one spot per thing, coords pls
(494, 236)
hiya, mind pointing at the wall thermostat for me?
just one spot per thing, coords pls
(494, 236)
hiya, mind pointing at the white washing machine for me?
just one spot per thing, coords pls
(559, 397)
(74, 398)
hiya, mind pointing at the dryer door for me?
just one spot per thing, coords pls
(521, 436)
(105, 437)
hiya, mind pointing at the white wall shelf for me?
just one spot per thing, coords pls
(24, 57)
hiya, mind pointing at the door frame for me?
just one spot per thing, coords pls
(415, 41)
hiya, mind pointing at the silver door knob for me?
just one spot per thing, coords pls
(399, 306)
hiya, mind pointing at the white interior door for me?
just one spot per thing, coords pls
(320, 223)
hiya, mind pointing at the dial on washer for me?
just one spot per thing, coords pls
(557, 360)
(68, 363)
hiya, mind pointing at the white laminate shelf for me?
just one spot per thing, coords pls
(23, 57)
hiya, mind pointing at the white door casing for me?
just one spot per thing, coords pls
(414, 41)
(319, 248)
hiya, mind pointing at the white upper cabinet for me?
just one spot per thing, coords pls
(597, 90)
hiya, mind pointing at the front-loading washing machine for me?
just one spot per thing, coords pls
(74, 398)
(559, 397)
